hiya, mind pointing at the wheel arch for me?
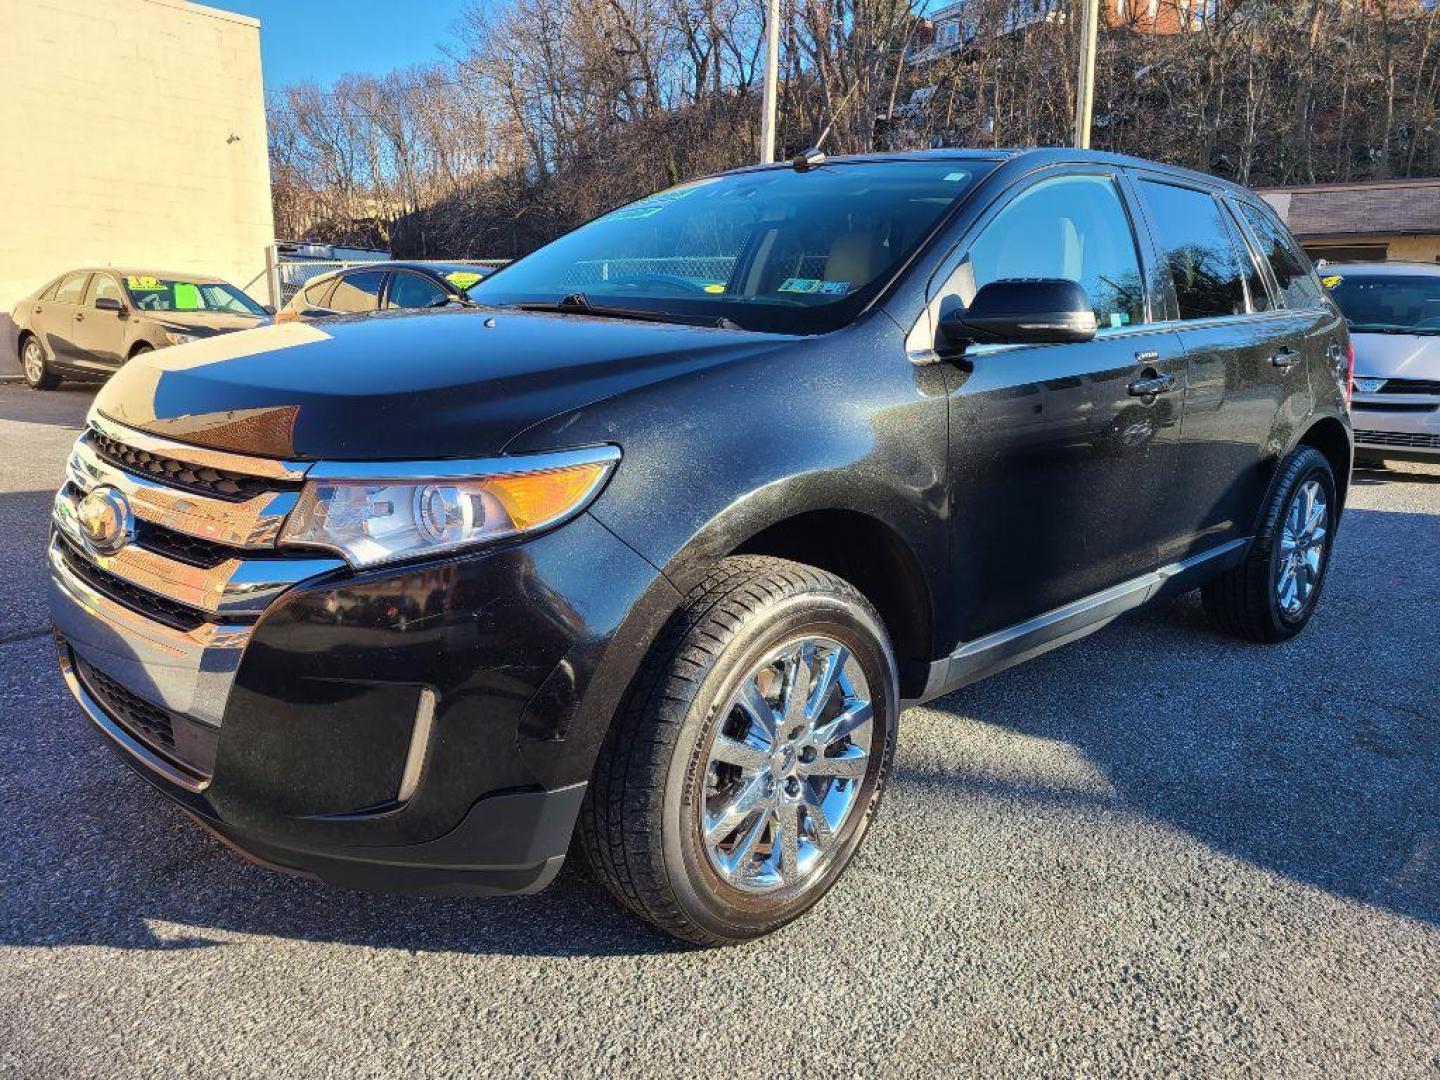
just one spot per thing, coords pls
(1329, 436)
(873, 557)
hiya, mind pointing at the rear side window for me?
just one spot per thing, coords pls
(72, 289)
(314, 295)
(1071, 227)
(1207, 265)
(357, 292)
(50, 290)
(1292, 270)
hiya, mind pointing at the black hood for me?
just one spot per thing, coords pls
(424, 385)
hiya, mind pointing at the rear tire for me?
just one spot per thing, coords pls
(35, 366)
(1272, 594)
(732, 790)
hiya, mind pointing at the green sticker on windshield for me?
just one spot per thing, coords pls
(144, 284)
(1331, 280)
(463, 279)
(187, 297)
(801, 285)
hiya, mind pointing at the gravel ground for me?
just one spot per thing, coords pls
(1154, 852)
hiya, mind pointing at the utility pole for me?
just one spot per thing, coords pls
(772, 64)
(1085, 85)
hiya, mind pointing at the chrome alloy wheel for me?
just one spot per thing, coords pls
(34, 361)
(785, 766)
(1302, 548)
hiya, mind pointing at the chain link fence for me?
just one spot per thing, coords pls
(286, 275)
(700, 269)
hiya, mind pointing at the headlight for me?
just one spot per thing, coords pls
(176, 338)
(379, 513)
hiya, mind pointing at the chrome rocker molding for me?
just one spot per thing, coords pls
(995, 652)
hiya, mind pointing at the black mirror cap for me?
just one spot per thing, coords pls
(269, 309)
(1022, 311)
(108, 303)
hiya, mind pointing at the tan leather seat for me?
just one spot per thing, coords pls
(854, 257)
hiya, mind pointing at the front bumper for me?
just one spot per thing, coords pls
(427, 728)
(1397, 425)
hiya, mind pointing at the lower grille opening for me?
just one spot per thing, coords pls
(1398, 438)
(170, 735)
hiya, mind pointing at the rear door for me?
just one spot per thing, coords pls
(100, 335)
(1247, 384)
(1297, 290)
(1059, 464)
(55, 319)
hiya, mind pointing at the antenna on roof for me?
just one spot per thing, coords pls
(808, 159)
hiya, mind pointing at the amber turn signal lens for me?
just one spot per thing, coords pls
(533, 499)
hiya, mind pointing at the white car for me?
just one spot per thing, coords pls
(1394, 314)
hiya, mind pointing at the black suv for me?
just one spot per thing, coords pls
(651, 546)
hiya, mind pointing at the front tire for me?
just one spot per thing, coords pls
(1272, 594)
(739, 778)
(36, 367)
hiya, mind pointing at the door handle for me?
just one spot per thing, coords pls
(1285, 358)
(1149, 387)
(79, 316)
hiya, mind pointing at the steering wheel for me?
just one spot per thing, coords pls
(1432, 323)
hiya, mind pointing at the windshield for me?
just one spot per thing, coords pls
(167, 294)
(1399, 304)
(775, 249)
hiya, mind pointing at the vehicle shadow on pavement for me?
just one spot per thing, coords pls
(1398, 472)
(1318, 759)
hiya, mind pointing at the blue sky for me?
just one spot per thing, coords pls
(324, 39)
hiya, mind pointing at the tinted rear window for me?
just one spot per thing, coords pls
(1297, 281)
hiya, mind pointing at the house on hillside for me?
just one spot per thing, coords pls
(958, 25)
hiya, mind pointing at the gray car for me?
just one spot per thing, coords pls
(87, 323)
(1394, 314)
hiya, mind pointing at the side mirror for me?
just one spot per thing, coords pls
(1021, 311)
(109, 303)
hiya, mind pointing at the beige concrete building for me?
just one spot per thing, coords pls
(1370, 221)
(134, 134)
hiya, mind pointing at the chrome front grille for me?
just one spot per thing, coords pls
(157, 625)
(203, 479)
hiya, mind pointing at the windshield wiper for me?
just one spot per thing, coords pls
(578, 303)
(1408, 331)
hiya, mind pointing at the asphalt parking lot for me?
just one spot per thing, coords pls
(1156, 851)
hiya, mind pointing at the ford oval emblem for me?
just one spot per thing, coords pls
(105, 521)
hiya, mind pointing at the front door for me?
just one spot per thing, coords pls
(99, 336)
(1060, 454)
